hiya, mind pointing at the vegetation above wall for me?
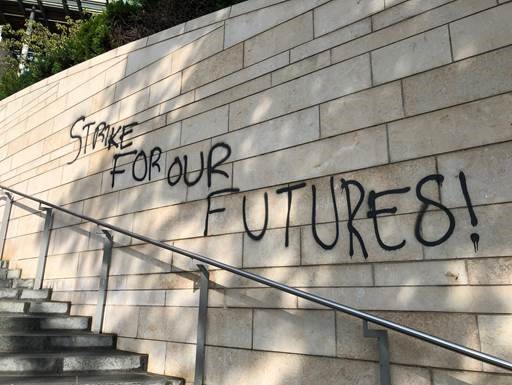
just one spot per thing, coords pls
(80, 40)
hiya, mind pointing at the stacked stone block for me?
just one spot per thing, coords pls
(382, 92)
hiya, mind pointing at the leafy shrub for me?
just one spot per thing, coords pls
(80, 40)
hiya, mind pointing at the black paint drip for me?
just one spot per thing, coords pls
(475, 238)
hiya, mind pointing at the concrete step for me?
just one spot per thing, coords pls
(26, 322)
(33, 306)
(49, 307)
(12, 274)
(4, 283)
(13, 306)
(44, 294)
(106, 379)
(3, 273)
(8, 293)
(18, 283)
(46, 341)
(71, 361)
(25, 293)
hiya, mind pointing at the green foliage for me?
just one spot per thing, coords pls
(51, 52)
(80, 40)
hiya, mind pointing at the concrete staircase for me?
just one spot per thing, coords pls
(40, 343)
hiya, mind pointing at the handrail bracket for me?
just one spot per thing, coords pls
(382, 336)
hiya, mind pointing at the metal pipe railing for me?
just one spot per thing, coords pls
(483, 357)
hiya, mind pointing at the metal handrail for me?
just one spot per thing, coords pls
(483, 357)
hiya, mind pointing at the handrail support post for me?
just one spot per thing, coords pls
(45, 244)
(99, 316)
(204, 279)
(5, 220)
(384, 366)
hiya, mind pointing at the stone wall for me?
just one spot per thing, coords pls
(370, 142)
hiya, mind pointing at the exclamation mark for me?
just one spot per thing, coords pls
(475, 238)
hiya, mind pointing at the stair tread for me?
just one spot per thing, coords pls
(70, 353)
(36, 300)
(52, 333)
(111, 379)
(41, 315)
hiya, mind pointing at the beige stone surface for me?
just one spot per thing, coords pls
(486, 169)
(61, 266)
(153, 195)
(69, 239)
(490, 271)
(271, 250)
(459, 328)
(153, 281)
(266, 298)
(457, 299)
(231, 94)
(143, 57)
(474, 78)
(403, 11)
(361, 149)
(415, 54)
(151, 74)
(182, 297)
(136, 297)
(225, 248)
(331, 39)
(205, 125)
(473, 124)
(121, 320)
(276, 134)
(198, 50)
(164, 89)
(329, 83)
(301, 68)
(235, 366)
(278, 39)
(156, 350)
(244, 75)
(230, 327)
(140, 259)
(417, 24)
(215, 67)
(495, 332)
(481, 32)
(303, 276)
(474, 378)
(421, 273)
(243, 26)
(366, 108)
(492, 229)
(180, 360)
(295, 331)
(135, 103)
(339, 13)
(174, 324)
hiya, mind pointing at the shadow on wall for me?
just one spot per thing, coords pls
(276, 323)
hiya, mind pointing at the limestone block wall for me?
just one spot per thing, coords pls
(359, 149)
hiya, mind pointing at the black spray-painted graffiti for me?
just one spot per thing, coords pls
(117, 138)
